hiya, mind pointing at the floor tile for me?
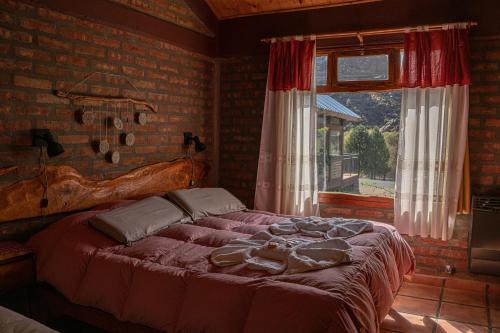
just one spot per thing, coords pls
(462, 296)
(448, 326)
(464, 313)
(420, 290)
(495, 318)
(463, 284)
(425, 279)
(407, 323)
(417, 306)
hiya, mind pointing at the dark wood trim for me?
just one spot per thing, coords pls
(356, 200)
(127, 18)
(242, 36)
(201, 9)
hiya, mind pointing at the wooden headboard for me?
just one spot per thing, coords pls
(69, 191)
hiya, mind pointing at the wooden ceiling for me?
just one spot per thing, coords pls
(227, 9)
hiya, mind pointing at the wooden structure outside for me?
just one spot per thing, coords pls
(340, 170)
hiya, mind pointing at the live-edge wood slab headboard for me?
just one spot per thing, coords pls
(69, 191)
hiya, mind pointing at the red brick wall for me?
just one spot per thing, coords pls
(41, 50)
(175, 11)
(484, 120)
(243, 85)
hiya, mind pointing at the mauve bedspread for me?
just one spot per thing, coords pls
(167, 282)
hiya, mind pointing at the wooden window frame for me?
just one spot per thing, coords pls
(333, 85)
(394, 51)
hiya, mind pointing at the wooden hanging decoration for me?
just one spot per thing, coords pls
(142, 119)
(115, 113)
(105, 99)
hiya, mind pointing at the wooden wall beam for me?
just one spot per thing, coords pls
(124, 17)
(205, 14)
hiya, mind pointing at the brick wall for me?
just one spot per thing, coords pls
(175, 11)
(41, 50)
(243, 85)
(484, 120)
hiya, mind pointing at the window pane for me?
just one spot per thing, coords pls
(334, 142)
(357, 145)
(321, 70)
(363, 68)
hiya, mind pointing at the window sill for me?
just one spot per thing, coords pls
(356, 200)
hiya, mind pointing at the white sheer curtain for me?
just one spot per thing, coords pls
(430, 159)
(433, 132)
(287, 172)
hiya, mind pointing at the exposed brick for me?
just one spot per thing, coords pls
(46, 42)
(91, 51)
(369, 213)
(44, 49)
(127, 70)
(15, 35)
(73, 139)
(24, 81)
(71, 60)
(493, 122)
(37, 25)
(32, 54)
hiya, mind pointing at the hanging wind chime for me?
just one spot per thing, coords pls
(115, 117)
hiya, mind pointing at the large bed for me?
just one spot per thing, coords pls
(167, 282)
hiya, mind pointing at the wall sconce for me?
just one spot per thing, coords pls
(198, 147)
(189, 139)
(43, 138)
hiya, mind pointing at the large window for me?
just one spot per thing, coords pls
(358, 121)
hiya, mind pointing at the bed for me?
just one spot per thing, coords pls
(167, 282)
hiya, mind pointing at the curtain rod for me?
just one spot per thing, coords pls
(389, 31)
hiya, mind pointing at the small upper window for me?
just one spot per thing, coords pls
(321, 70)
(363, 68)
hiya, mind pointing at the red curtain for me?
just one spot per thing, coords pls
(436, 58)
(290, 65)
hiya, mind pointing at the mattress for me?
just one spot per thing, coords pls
(167, 282)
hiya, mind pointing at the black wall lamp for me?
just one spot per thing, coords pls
(43, 138)
(189, 139)
(198, 147)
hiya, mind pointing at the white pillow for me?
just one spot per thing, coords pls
(138, 220)
(201, 202)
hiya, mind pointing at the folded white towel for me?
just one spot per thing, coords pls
(275, 255)
(314, 226)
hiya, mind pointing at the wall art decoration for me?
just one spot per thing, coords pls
(113, 116)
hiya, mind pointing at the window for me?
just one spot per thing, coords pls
(358, 121)
(321, 70)
(363, 68)
(371, 70)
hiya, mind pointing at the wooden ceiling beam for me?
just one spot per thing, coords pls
(201, 9)
(230, 9)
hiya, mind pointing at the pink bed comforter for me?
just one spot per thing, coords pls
(167, 282)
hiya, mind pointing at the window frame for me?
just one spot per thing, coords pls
(333, 85)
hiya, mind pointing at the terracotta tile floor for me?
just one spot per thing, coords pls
(435, 305)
